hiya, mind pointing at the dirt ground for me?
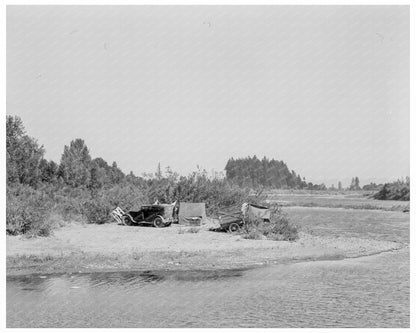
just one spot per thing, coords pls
(85, 247)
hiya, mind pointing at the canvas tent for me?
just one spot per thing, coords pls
(255, 212)
(192, 213)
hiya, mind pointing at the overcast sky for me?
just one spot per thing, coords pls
(326, 89)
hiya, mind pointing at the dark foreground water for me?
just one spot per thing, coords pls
(365, 292)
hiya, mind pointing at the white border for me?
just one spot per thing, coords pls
(200, 2)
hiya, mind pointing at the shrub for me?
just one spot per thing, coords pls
(68, 202)
(68, 210)
(27, 212)
(279, 228)
(98, 206)
(216, 193)
(96, 210)
(399, 190)
(125, 196)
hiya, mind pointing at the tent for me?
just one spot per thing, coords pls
(255, 212)
(192, 213)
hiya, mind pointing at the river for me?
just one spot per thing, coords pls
(371, 291)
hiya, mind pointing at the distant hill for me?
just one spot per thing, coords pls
(253, 172)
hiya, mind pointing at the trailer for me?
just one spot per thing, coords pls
(236, 217)
(231, 221)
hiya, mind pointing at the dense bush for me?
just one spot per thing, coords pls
(98, 206)
(27, 212)
(94, 206)
(399, 190)
(96, 211)
(279, 228)
(196, 187)
(217, 193)
(68, 202)
(126, 196)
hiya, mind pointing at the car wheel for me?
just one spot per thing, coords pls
(127, 220)
(158, 222)
(234, 227)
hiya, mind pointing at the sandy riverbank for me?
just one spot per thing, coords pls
(108, 247)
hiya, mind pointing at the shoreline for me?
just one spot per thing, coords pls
(34, 269)
(103, 248)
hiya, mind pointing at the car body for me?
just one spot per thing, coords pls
(159, 215)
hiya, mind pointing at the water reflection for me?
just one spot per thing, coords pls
(128, 279)
(366, 292)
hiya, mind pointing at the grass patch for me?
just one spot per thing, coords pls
(365, 206)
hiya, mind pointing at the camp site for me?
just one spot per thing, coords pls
(136, 244)
(208, 166)
(190, 214)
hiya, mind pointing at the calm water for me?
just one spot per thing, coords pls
(365, 292)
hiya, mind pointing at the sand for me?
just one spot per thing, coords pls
(86, 248)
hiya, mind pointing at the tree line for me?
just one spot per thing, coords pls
(253, 172)
(84, 188)
(25, 162)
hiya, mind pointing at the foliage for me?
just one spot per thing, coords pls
(124, 195)
(96, 210)
(216, 193)
(398, 190)
(279, 228)
(316, 187)
(252, 172)
(23, 154)
(83, 188)
(27, 212)
(355, 184)
(48, 171)
(196, 187)
(75, 164)
(372, 187)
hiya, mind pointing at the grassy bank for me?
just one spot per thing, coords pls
(354, 200)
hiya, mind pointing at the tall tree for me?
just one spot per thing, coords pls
(357, 184)
(158, 172)
(75, 164)
(48, 171)
(23, 154)
(116, 174)
(352, 186)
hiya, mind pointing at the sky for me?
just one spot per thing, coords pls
(323, 88)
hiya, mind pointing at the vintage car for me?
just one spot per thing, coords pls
(158, 215)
